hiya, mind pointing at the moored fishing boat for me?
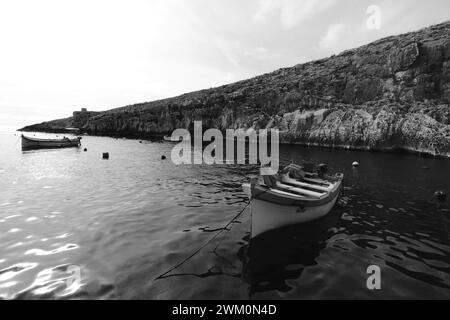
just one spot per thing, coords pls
(29, 143)
(288, 201)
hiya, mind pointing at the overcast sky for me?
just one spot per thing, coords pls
(58, 56)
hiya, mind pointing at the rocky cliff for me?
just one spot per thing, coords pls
(59, 125)
(390, 94)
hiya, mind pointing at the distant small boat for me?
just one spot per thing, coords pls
(35, 143)
(291, 201)
(172, 139)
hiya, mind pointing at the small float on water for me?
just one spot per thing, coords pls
(291, 198)
(29, 143)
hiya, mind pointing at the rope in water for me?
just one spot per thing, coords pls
(205, 244)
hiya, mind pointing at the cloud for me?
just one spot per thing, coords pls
(259, 53)
(229, 77)
(292, 13)
(58, 56)
(332, 41)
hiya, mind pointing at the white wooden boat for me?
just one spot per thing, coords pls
(29, 143)
(291, 201)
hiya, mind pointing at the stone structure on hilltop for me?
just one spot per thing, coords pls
(80, 118)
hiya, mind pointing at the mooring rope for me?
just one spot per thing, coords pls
(17, 140)
(205, 244)
(225, 228)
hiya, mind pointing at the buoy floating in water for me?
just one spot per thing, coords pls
(355, 164)
(85, 149)
(105, 155)
(163, 157)
(440, 195)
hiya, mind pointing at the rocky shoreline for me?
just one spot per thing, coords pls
(390, 95)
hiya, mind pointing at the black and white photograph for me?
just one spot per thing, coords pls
(249, 152)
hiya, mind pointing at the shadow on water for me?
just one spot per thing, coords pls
(282, 254)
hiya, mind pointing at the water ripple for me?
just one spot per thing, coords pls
(127, 220)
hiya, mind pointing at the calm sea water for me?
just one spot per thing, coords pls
(126, 220)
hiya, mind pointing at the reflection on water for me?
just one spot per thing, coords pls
(276, 256)
(129, 219)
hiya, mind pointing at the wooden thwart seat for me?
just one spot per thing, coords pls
(300, 191)
(290, 181)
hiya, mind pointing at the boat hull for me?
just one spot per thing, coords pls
(271, 211)
(32, 143)
(268, 216)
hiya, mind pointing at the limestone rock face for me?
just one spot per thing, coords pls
(391, 94)
(58, 125)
